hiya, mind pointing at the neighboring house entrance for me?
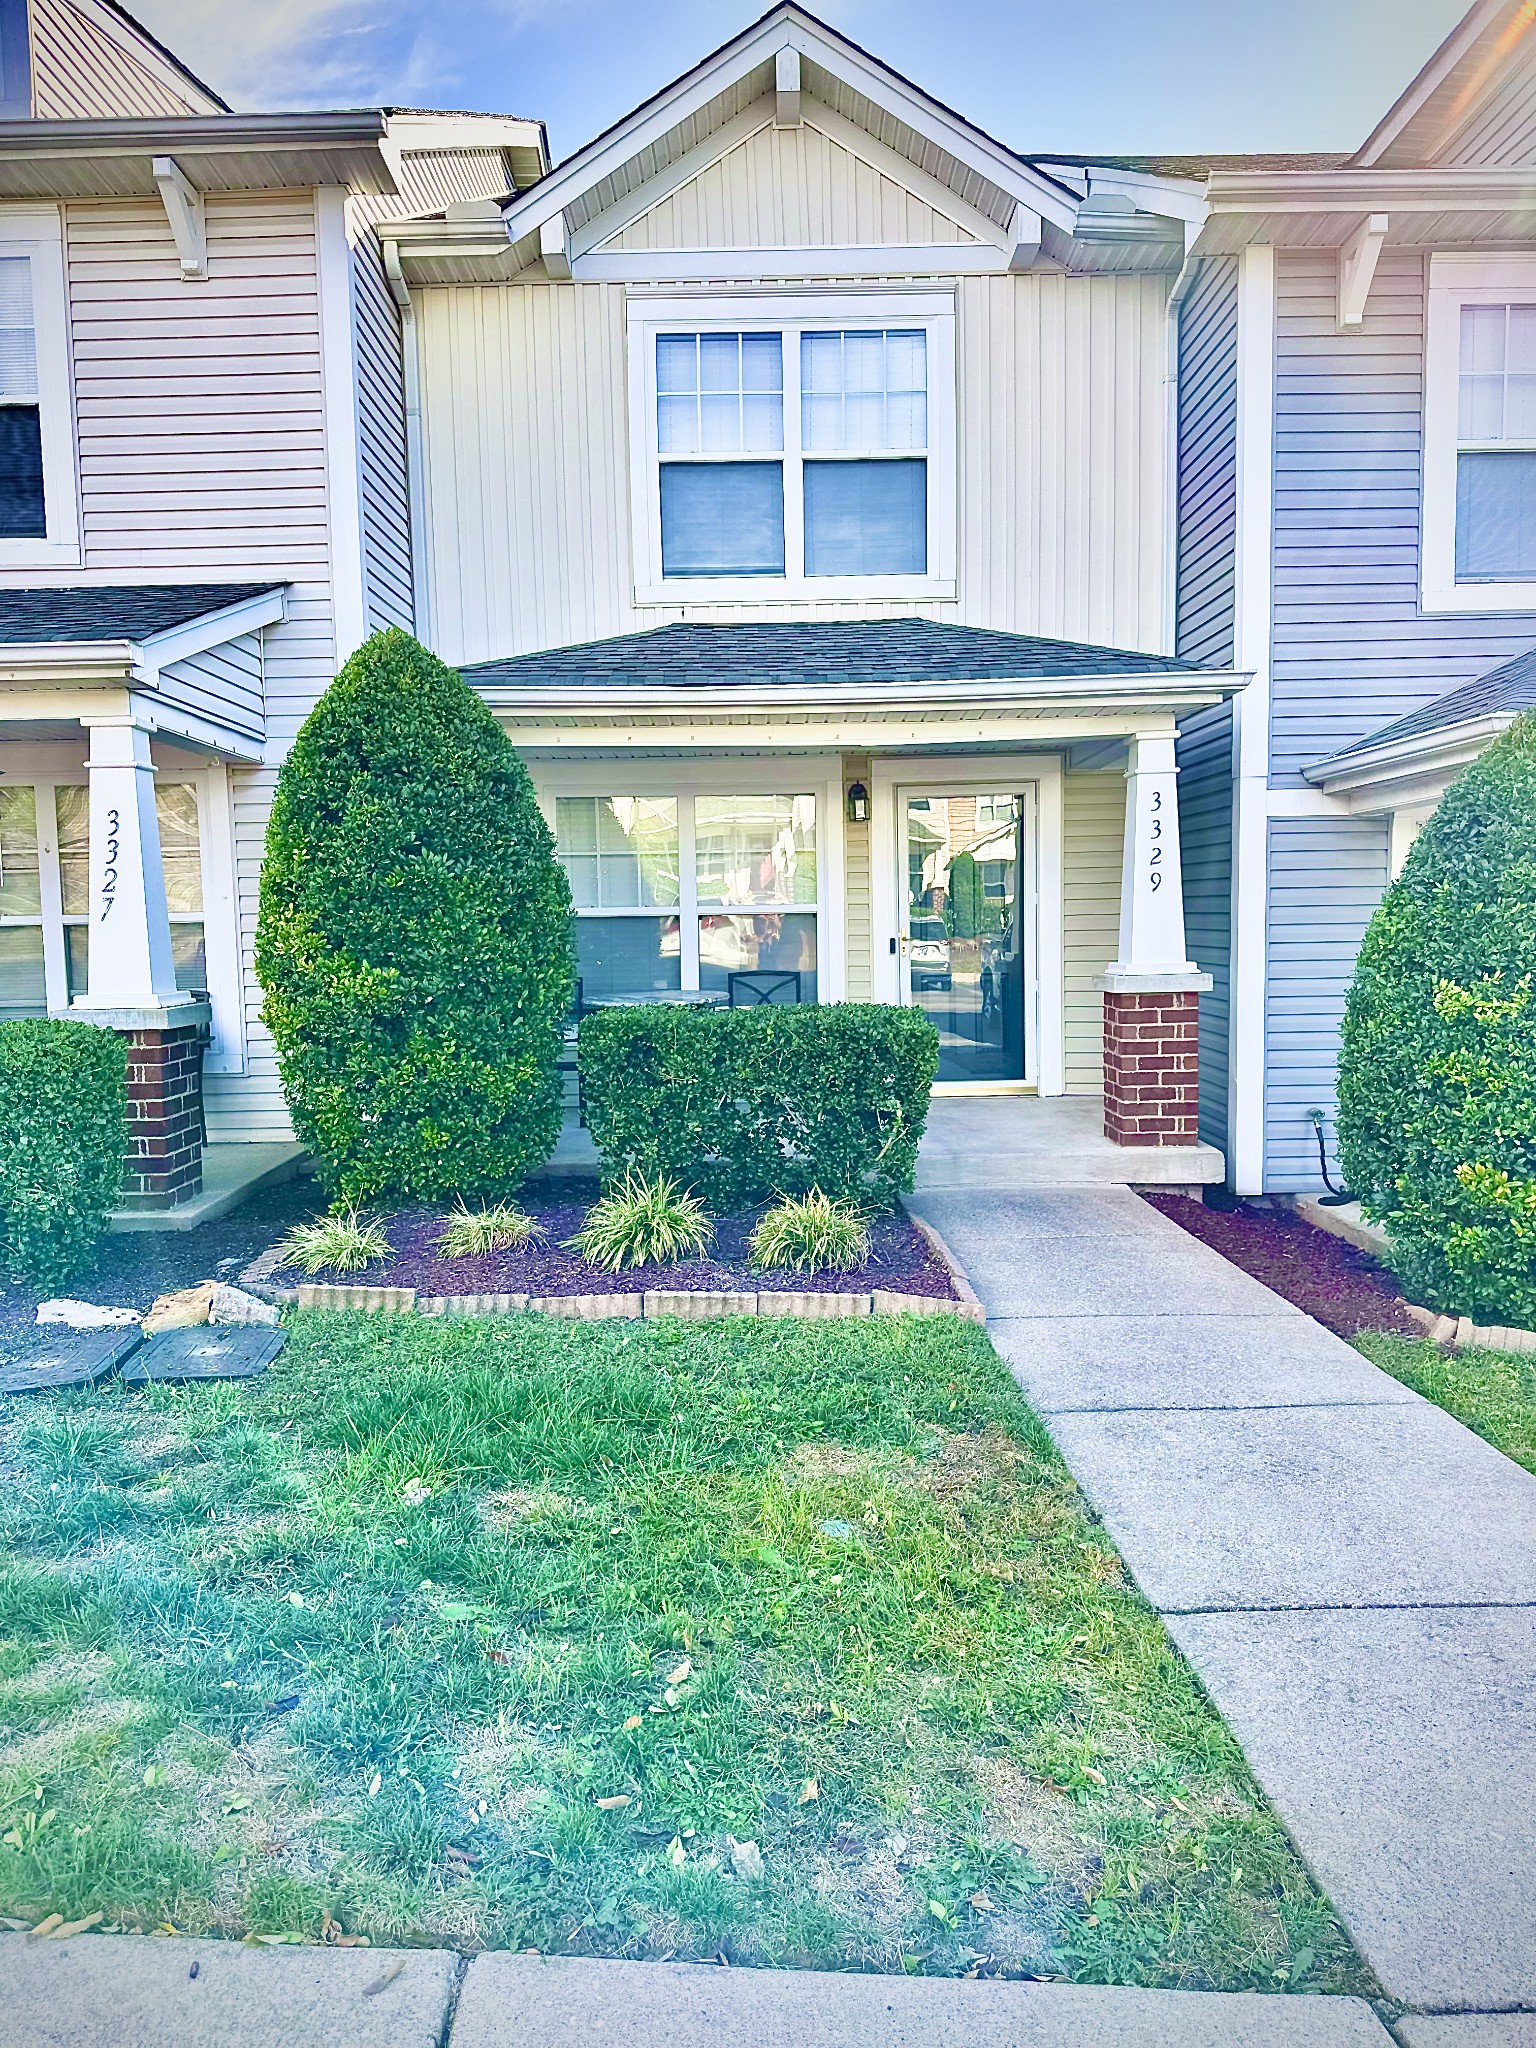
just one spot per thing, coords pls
(966, 949)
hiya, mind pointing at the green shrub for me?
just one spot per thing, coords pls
(1437, 1079)
(744, 1105)
(414, 942)
(639, 1220)
(63, 1140)
(472, 1233)
(810, 1234)
(339, 1243)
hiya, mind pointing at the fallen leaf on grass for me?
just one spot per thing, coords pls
(682, 1673)
(670, 1695)
(810, 1790)
(614, 1802)
(677, 1855)
(635, 1721)
(289, 1940)
(75, 1927)
(746, 1858)
(982, 1903)
(47, 1926)
(501, 1656)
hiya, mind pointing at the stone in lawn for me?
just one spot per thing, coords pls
(187, 1308)
(84, 1315)
(81, 1359)
(202, 1354)
(234, 1305)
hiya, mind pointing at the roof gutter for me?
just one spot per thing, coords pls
(1186, 687)
(1444, 748)
(1457, 188)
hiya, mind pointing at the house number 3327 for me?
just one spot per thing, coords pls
(109, 870)
(1155, 857)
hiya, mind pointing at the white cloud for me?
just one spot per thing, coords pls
(300, 53)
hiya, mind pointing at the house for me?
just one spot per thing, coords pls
(1357, 478)
(203, 510)
(1047, 591)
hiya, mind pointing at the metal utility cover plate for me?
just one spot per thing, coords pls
(236, 1352)
(67, 1358)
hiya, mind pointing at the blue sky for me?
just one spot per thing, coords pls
(1124, 76)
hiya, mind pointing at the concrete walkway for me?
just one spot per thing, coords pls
(96, 1992)
(1351, 1572)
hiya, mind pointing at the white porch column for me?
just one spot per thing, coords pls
(130, 946)
(1152, 950)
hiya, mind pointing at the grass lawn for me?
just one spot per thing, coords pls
(791, 1641)
(1493, 1392)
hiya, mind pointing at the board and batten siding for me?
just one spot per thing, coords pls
(1326, 876)
(80, 73)
(1061, 434)
(789, 188)
(381, 430)
(1207, 467)
(1093, 843)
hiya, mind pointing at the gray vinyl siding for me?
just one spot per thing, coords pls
(1501, 129)
(1326, 877)
(1207, 452)
(1350, 649)
(387, 582)
(223, 683)
(1205, 848)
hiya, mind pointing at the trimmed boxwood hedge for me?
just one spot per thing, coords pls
(1437, 1078)
(414, 945)
(742, 1105)
(63, 1143)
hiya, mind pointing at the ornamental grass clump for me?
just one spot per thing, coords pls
(1437, 1076)
(498, 1227)
(342, 1242)
(414, 943)
(638, 1221)
(811, 1234)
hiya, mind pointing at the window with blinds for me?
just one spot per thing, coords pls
(22, 510)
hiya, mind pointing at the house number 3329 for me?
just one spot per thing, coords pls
(1155, 857)
(109, 870)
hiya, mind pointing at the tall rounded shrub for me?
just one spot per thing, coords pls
(63, 1141)
(414, 944)
(1437, 1079)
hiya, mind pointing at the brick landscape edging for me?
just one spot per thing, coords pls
(1466, 1335)
(810, 1303)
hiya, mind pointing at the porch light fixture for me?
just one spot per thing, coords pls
(858, 804)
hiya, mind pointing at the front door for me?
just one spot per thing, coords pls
(964, 944)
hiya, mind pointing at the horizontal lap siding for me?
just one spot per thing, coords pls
(1350, 648)
(1093, 831)
(225, 682)
(80, 74)
(1326, 876)
(1205, 846)
(1061, 414)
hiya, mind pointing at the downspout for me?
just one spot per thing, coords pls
(415, 464)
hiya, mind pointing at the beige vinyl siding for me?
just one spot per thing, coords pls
(1061, 430)
(858, 915)
(1093, 833)
(381, 431)
(80, 73)
(788, 188)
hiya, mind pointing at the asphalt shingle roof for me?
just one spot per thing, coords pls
(130, 611)
(1510, 687)
(817, 651)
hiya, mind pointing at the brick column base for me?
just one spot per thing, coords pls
(1151, 1066)
(165, 1116)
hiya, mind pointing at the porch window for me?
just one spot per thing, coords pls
(813, 455)
(23, 988)
(677, 894)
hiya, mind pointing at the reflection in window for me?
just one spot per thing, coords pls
(619, 852)
(764, 940)
(618, 957)
(756, 849)
(1496, 439)
(20, 891)
(22, 989)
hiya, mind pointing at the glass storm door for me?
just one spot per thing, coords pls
(963, 946)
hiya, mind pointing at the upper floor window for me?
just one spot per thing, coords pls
(23, 513)
(39, 515)
(812, 457)
(1479, 510)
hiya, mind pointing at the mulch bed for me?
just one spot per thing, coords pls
(898, 1260)
(1343, 1287)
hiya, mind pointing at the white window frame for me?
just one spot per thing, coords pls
(38, 234)
(790, 315)
(814, 775)
(1454, 282)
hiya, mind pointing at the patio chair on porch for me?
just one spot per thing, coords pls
(749, 986)
(567, 1062)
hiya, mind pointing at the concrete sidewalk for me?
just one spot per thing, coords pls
(96, 1992)
(1350, 1571)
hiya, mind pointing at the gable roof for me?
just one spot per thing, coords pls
(775, 654)
(1491, 49)
(1496, 698)
(113, 612)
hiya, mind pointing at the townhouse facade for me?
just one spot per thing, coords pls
(1047, 591)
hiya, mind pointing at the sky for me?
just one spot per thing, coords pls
(1121, 77)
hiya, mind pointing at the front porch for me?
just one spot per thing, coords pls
(1010, 1141)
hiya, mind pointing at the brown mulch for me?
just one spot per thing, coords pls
(1344, 1288)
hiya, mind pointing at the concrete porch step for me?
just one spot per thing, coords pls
(231, 1174)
